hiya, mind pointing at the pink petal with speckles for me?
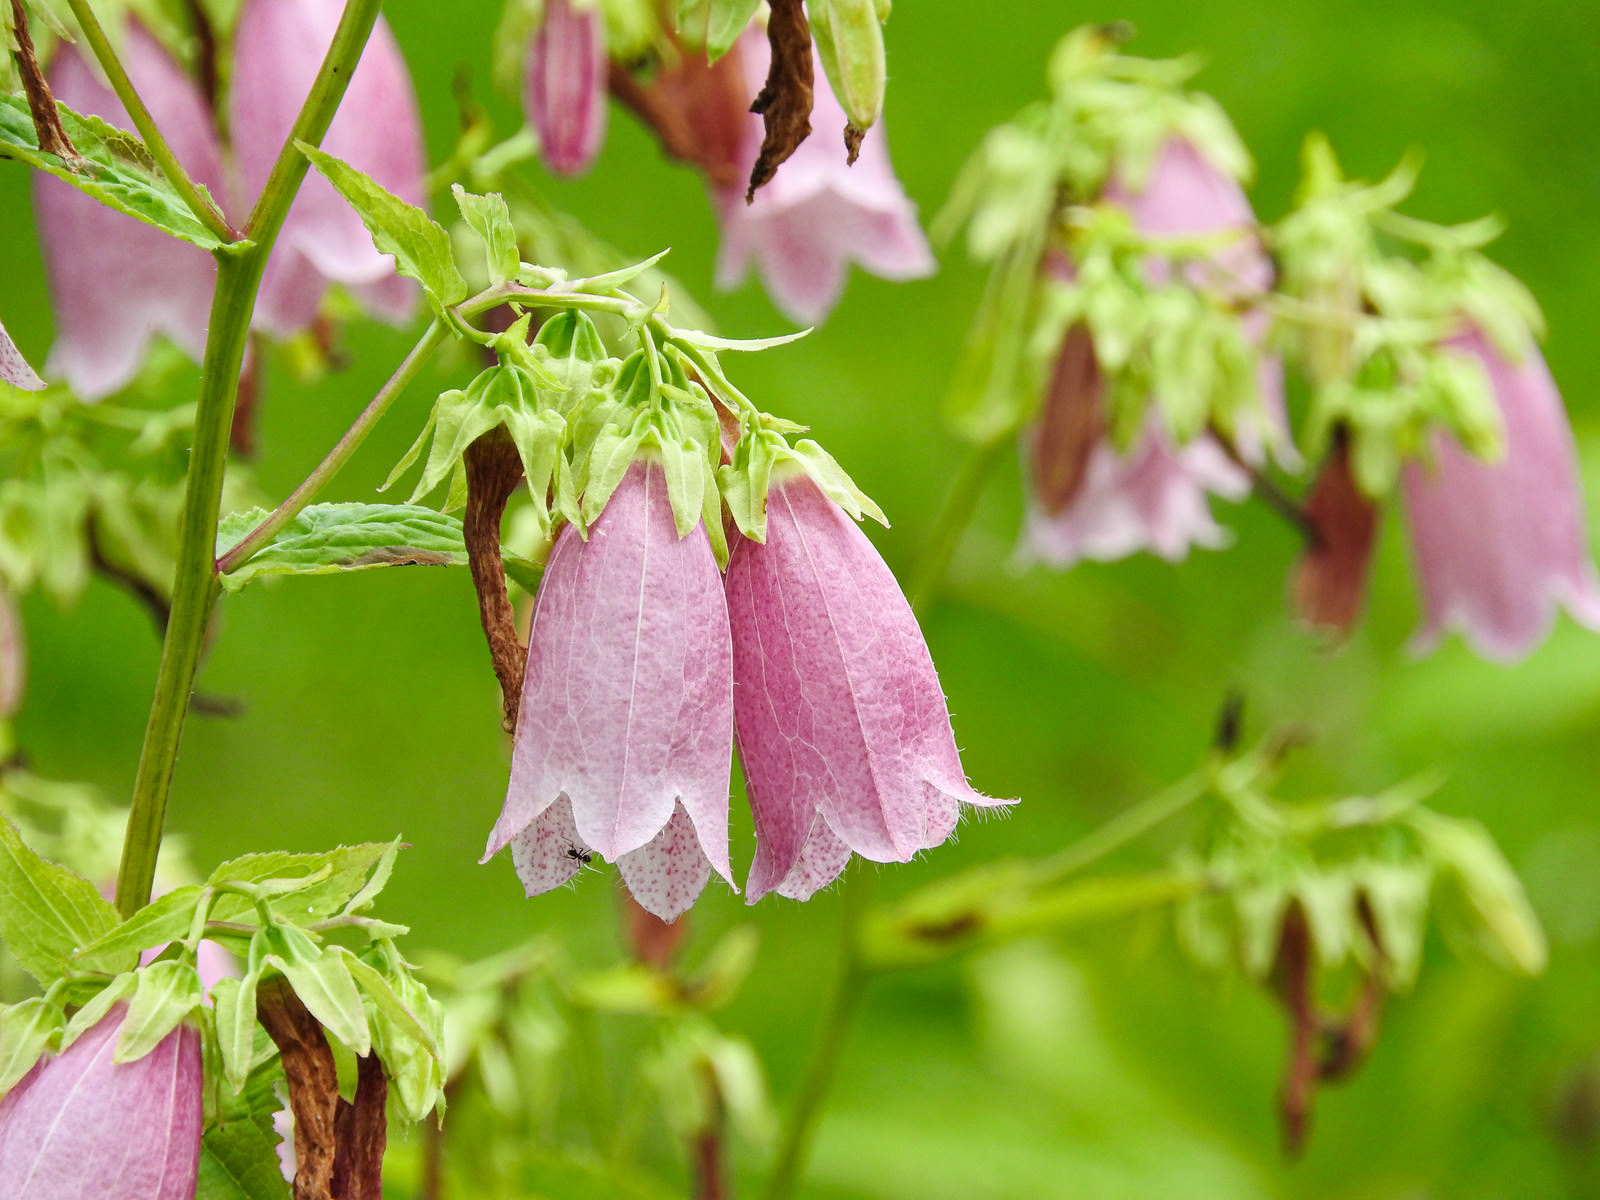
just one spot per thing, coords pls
(627, 705)
(14, 369)
(79, 1125)
(837, 707)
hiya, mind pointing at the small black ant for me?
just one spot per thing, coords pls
(583, 856)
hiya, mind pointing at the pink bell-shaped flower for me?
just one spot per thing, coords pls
(81, 1125)
(1498, 546)
(1155, 497)
(564, 97)
(841, 725)
(116, 282)
(280, 45)
(817, 214)
(624, 734)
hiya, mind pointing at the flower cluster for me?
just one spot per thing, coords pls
(644, 665)
(118, 283)
(1140, 320)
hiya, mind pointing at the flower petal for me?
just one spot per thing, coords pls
(667, 874)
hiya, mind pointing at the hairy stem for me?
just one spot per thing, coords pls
(336, 458)
(194, 590)
(201, 205)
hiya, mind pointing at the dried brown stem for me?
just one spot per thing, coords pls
(493, 472)
(361, 1132)
(313, 1086)
(52, 137)
(785, 102)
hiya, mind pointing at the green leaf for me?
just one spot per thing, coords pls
(166, 918)
(234, 1001)
(325, 882)
(391, 1010)
(714, 25)
(115, 169)
(239, 1161)
(322, 980)
(490, 219)
(610, 281)
(378, 880)
(325, 539)
(25, 1032)
(46, 910)
(708, 341)
(167, 992)
(420, 245)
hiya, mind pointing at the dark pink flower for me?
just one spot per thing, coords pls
(116, 282)
(81, 1125)
(817, 214)
(841, 725)
(564, 97)
(626, 724)
(281, 44)
(1498, 546)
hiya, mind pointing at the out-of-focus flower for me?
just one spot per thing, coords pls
(623, 738)
(817, 214)
(841, 725)
(116, 282)
(1499, 545)
(281, 44)
(564, 96)
(1089, 500)
(14, 369)
(81, 1125)
(13, 656)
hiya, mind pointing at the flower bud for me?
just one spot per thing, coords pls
(565, 86)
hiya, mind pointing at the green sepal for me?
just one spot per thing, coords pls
(234, 1003)
(709, 341)
(115, 168)
(26, 1030)
(165, 919)
(828, 475)
(97, 1006)
(1397, 896)
(714, 25)
(322, 980)
(608, 461)
(609, 281)
(490, 219)
(420, 245)
(849, 40)
(168, 991)
(1484, 896)
(46, 910)
(688, 474)
(744, 481)
(387, 1005)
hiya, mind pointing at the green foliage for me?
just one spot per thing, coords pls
(114, 168)
(325, 539)
(46, 910)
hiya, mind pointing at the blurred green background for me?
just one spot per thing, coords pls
(1100, 1065)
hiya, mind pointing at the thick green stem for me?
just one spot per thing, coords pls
(239, 271)
(303, 495)
(953, 520)
(205, 211)
(832, 1035)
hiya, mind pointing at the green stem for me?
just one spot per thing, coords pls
(347, 445)
(953, 520)
(239, 269)
(201, 205)
(1124, 828)
(832, 1034)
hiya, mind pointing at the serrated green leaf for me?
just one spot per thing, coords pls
(378, 880)
(420, 245)
(167, 992)
(322, 980)
(46, 911)
(25, 1032)
(239, 1161)
(325, 882)
(325, 539)
(116, 169)
(490, 219)
(163, 920)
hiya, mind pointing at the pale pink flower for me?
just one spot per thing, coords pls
(1498, 546)
(80, 1125)
(841, 725)
(281, 44)
(13, 656)
(625, 729)
(817, 214)
(116, 282)
(14, 369)
(1156, 497)
(564, 96)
